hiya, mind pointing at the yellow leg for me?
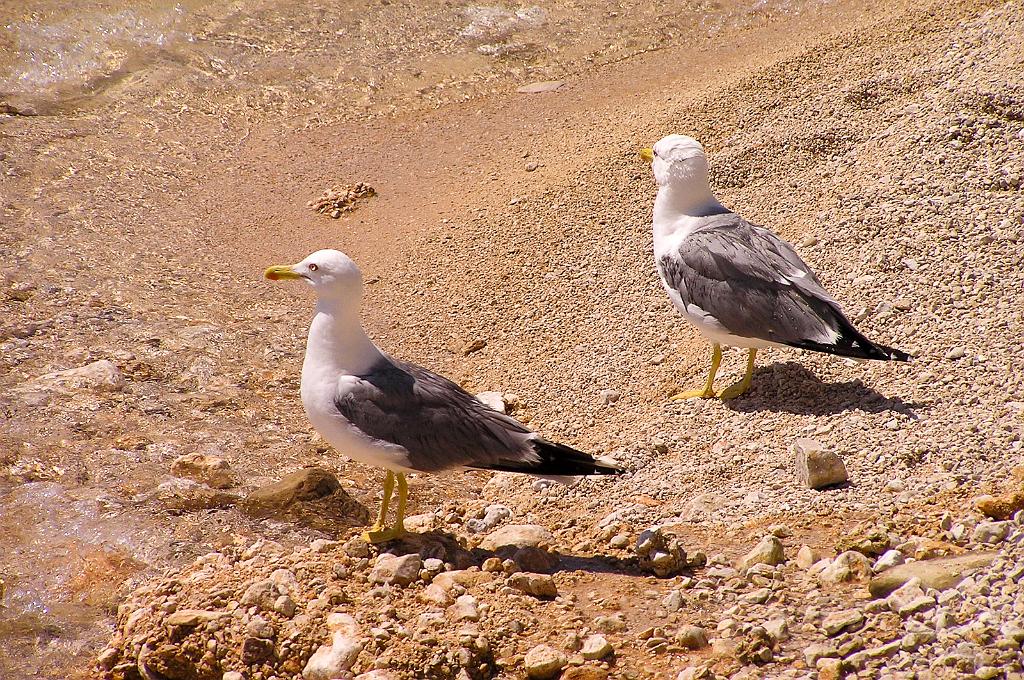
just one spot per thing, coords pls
(378, 533)
(709, 388)
(378, 526)
(743, 385)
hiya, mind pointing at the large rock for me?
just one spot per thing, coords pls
(209, 470)
(518, 536)
(305, 485)
(817, 468)
(767, 551)
(941, 573)
(100, 375)
(400, 571)
(311, 495)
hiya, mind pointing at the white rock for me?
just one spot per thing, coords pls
(99, 375)
(847, 566)
(493, 399)
(596, 647)
(888, 559)
(817, 468)
(333, 660)
(543, 662)
(806, 556)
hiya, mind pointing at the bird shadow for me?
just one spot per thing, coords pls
(449, 548)
(791, 388)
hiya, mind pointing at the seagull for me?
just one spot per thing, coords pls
(399, 416)
(737, 282)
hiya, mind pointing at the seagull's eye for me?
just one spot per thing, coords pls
(313, 267)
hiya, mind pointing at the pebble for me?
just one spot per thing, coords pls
(391, 569)
(519, 536)
(691, 637)
(888, 559)
(333, 660)
(838, 622)
(596, 647)
(813, 652)
(806, 556)
(543, 662)
(817, 468)
(537, 585)
(496, 400)
(767, 551)
(847, 566)
(464, 609)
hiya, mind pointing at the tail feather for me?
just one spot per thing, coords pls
(558, 460)
(851, 343)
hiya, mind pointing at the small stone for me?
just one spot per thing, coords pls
(814, 652)
(817, 468)
(537, 585)
(759, 596)
(777, 629)
(532, 165)
(806, 556)
(673, 602)
(660, 553)
(543, 662)
(767, 551)
(232, 675)
(464, 609)
(847, 566)
(691, 637)
(956, 353)
(596, 647)
(190, 618)
(473, 346)
(991, 532)
(493, 399)
(256, 650)
(333, 660)
(259, 627)
(987, 673)
(494, 515)
(491, 565)
(435, 594)
(285, 606)
(907, 599)
(888, 560)
(401, 571)
(613, 623)
(538, 87)
(830, 669)
(209, 470)
(609, 397)
(838, 622)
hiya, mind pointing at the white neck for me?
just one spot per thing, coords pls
(337, 344)
(679, 204)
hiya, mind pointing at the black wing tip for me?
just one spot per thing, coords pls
(564, 461)
(854, 350)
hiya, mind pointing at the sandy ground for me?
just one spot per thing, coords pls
(885, 142)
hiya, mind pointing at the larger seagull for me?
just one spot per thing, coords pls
(399, 416)
(738, 283)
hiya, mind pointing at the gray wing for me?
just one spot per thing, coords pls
(753, 283)
(436, 421)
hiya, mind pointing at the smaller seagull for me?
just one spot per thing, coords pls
(738, 283)
(399, 416)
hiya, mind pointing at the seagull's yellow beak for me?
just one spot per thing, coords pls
(647, 155)
(280, 272)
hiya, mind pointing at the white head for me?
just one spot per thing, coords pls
(331, 273)
(678, 160)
